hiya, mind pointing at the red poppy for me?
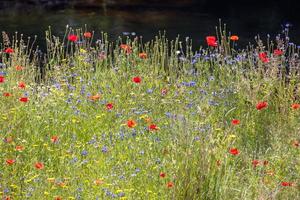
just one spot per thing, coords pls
(57, 198)
(2, 79)
(126, 48)
(234, 38)
(286, 184)
(24, 99)
(61, 184)
(10, 161)
(162, 174)
(263, 57)
(295, 143)
(235, 122)
(131, 123)
(137, 79)
(19, 148)
(7, 198)
(295, 106)
(261, 105)
(153, 127)
(109, 106)
(87, 34)
(19, 68)
(170, 184)
(234, 151)
(39, 165)
(7, 94)
(95, 97)
(143, 55)
(278, 52)
(54, 139)
(8, 139)
(72, 38)
(9, 50)
(211, 41)
(98, 181)
(164, 91)
(255, 163)
(22, 85)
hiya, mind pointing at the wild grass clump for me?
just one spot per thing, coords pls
(94, 119)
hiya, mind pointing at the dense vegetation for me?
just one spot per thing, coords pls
(93, 119)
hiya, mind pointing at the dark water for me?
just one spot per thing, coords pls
(148, 22)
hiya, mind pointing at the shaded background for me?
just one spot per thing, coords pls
(188, 18)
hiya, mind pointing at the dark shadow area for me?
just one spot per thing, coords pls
(187, 18)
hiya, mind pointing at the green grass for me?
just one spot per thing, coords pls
(98, 156)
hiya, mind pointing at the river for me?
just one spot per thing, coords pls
(147, 23)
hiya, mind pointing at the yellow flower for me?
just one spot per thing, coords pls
(51, 180)
(14, 186)
(81, 58)
(143, 116)
(232, 136)
(75, 121)
(49, 149)
(28, 181)
(82, 51)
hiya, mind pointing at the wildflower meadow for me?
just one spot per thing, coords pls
(97, 119)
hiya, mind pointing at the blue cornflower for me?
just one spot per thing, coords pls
(189, 105)
(69, 100)
(168, 114)
(192, 83)
(84, 153)
(92, 141)
(57, 85)
(2, 73)
(104, 149)
(121, 194)
(121, 177)
(197, 138)
(74, 160)
(212, 103)
(82, 90)
(149, 91)
(194, 61)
